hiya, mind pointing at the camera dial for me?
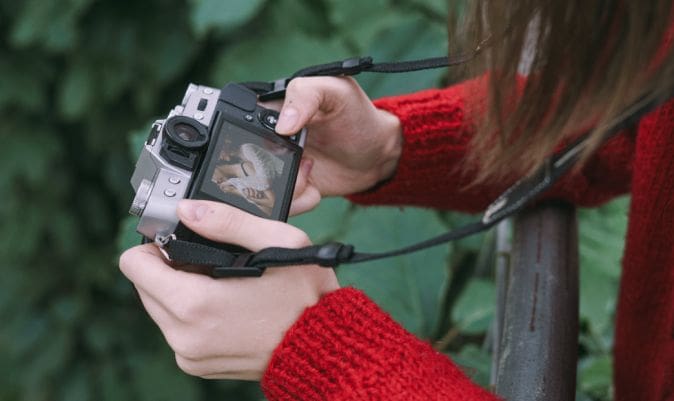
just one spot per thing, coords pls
(186, 132)
(142, 196)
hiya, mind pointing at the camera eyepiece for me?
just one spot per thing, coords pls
(186, 132)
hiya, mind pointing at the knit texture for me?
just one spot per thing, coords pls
(345, 348)
(644, 346)
(432, 169)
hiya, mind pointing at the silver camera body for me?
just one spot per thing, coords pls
(218, 144)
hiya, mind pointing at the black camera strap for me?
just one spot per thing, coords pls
(223, 263)
(353, 66)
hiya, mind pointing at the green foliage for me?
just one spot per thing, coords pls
(411, 288)
(81, 80)
(209, 15)
(472, 314)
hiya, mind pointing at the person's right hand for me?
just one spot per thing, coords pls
(351, 145)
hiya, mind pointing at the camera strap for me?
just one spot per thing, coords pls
(353, 66)
(223, 263)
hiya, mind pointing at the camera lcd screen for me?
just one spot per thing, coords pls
(249, 171)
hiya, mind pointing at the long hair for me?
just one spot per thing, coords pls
(585, 61)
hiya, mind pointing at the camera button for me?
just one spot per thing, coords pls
(174, 180)
(169, 193)
(269, 119)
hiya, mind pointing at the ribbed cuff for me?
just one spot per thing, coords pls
(431, 171)
(346, 348)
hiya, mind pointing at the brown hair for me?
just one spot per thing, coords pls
(587, 61)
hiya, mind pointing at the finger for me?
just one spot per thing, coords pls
(160, 315)
(305, 97)
(305, 201)
(144, 266)
(227, 224)
(303, 176)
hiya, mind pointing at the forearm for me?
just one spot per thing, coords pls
(346, 348)
(432, 172)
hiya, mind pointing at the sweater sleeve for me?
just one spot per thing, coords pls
(346, 348)
(437, 132)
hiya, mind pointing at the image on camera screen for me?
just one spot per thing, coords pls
(248, 171)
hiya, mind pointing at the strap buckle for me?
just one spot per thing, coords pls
(238, 268)
(333, 253)
(356, 65)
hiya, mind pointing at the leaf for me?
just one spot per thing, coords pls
(128, 237)
(25, 85)
(438, 7)
(602, 236)
(598, 293)
(307, 17)
(594, 376)
(274, 57)
(109, 379)
(475, 307)
(326, 221)
(137, 138)
(51, 24)
(76, 92)
(362, 22)
(50, 357)
(209, 14)
(77, 386)
(150, 379)
(412, 39)
(167, 54)
(475, 363)
(601, 242)
(409, 287)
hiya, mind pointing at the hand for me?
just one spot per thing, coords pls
(226, 328)
(351, 145)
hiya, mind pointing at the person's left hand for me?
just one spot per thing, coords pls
(226, 328)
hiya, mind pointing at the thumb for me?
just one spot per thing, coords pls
(302, 101)
(306, 96)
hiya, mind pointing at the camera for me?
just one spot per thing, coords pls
(219, 145)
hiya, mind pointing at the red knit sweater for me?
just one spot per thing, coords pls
(346, 348)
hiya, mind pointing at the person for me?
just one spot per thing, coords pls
(306, 338)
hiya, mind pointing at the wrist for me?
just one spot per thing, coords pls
(392, 132)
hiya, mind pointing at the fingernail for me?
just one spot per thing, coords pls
(191, 210)
(287, 120)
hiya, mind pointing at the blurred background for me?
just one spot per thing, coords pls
(80, 83)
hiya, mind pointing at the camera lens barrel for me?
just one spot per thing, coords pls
(186, 132)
